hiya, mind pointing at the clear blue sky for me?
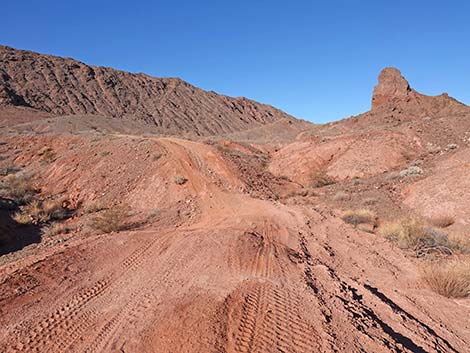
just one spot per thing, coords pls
(317, 60)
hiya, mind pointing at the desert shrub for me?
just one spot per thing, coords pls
(459, 243)
(19, 187)
(9, 169)
(285, 177)
(47, 154)
(442, 221)
(56, 229)
(42, 212)
(320, 178)
(22, 218)
(53, 210)
(415, 235)
(94, 207)
(180, 180)
(105, 153)
(360, 216)
(341, 196)
(450, 279)
(111, 220)
(406, 233)
(34, 209)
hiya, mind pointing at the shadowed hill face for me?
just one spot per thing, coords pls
(64, 86)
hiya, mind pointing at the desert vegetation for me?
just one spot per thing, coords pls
(320, 178)
(37, 212)
(110, 220)
(359, 216)
(19, 187)
(416, 235)
(180, 180)
(47, 154)
(450, 279)
(57, 228)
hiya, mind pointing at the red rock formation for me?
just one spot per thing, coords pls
(391, 85)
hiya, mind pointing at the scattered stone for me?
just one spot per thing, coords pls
(452, 146)
(411, 171)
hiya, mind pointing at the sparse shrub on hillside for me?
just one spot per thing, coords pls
(417, 236)
(450, 279)
(406, 233)
(442, 221)
(320, 178)
(156, 157)
(47, 154)
(41, 212)
(94, 207)
(53, 210)
(284, 177)
(302, 193)
(9, 169)
(360, 216)
(56, 228)
(112, 220)
(105, 153)
(22, 218)
(19, 187)
(459, 243)
(180, 180)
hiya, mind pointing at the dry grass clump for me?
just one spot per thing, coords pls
(40, 212)
(56, 229)
(450, 279)
(19, 187)
(359, 216)
(94, 207)
(22, 218)
(414, 234)
(180, 180)
(112, 220)
(459, 243)
(53, 209)
(442, 221)
(8, 169)
(406, 233)
(320, 178)
(47, 154)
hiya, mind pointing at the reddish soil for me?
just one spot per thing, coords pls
(226, 246)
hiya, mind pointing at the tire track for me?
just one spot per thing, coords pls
(64, 326)
(257, 254)
(267, 320)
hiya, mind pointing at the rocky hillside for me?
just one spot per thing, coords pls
(64, 86)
